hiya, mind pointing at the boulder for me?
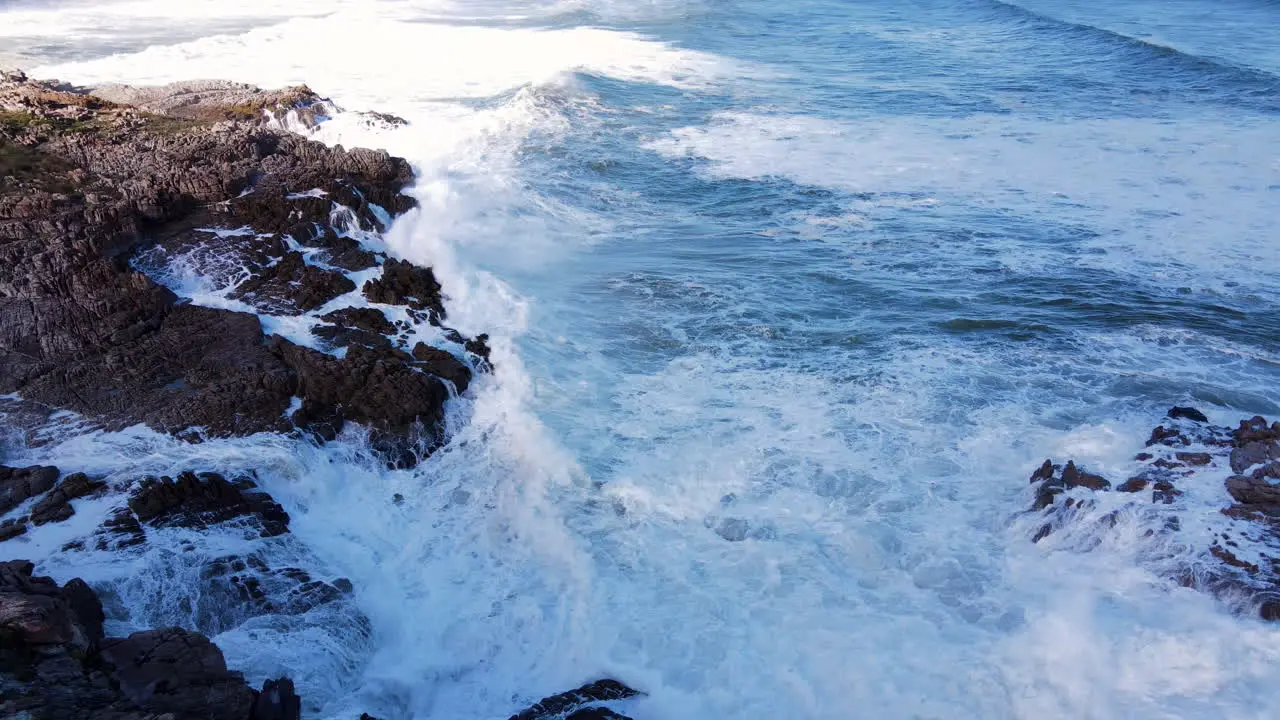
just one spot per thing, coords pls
(56, 663)
(403, 283)
(18, 485)
(202, 499)
(556, 706)
(55, 506)
(444, 365)
(1189, 413)
(175, 671)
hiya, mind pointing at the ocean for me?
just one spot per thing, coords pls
(786, 302)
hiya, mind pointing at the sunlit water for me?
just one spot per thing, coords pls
(787, 300)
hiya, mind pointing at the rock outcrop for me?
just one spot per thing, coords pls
(582, 703)
(1185, 449)
(55, 662)
(94, 191)
(121, 210)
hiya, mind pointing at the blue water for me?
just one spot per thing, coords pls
(787, 300)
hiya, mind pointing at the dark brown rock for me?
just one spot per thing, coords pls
(370, 320)
(34, 611)
(1132, 485)
(1164, 492)
(1170, 436)
(175, 671)
(1044, 472)
(595, 713)
(372, 386)
(277, 701)
(1074, 477)
(1195, 458)
(1254, 430)
(1269, 610)
(55, 506)
(364, 326)
(1189, 413)
(205, 499)
(571, 701)
(12, 528)
(20, 484)
(1229, 558)
(444, 365)
(291, 286)
(1253, 491)
(56, 663)
(403, 283)
(81, 330)
(1251, 452)
(478, 346)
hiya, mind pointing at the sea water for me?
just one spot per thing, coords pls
(786, 301)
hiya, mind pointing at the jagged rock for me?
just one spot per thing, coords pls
(443, 364)
(56, 663)
(595, 713)
(55, 506)
(1256, 429)
(34, 611)
(1132, 485)
(175, 671)
(372, 386)
(403, 283)
(81, 330)
(291, 286)
(12, 528)
(204, 499)
(1253, 491)
(479, 346)
(1253, 450)
(1074, 477)
(1189, 413)
(277, 701)
(121, 530)
(370, 320)
(365, 326)
(249, 583)
(208, 99)
(1251, 453)
(20, 484)
(573, 700)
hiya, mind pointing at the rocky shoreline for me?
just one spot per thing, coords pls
(1240, 564)
(112, 198)
(106, 196)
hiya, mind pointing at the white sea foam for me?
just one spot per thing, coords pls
(1183, 202)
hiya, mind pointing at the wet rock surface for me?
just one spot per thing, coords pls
(580, 703)
(20, 484)
(204, 499)
(1186, 451)
(403, 283)
(56, 663)
(117, 207)
(93, 190)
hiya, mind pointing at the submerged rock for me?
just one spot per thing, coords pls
(1253, 453)
(573, 701)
